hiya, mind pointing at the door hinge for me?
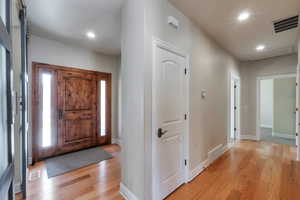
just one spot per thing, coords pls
(296, 134)
(235, 107)
(235, 129)
(185, 162)
(185, 71)
(185, 116)
(296, 84)
(297, 109)
(235, 86)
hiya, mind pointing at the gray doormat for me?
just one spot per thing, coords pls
(61, 164)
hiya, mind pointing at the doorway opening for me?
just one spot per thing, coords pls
(276, 113)
(235, 91)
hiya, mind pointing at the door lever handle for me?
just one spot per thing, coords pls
(160, 132)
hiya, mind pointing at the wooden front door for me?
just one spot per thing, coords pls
(77, 110)
(71, 110)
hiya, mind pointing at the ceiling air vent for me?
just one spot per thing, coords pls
(286, 24)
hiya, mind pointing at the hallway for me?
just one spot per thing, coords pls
(250, 170)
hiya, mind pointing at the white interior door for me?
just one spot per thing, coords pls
(170, 124)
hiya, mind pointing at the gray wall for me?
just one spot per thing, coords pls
(210, 69)
(249, 73)
(52, 52)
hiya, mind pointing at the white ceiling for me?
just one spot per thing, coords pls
(68, 21)
(219, 19)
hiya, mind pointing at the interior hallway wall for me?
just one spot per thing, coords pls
(266, 103)
(52, 52)
(249, 73)
(210, 69)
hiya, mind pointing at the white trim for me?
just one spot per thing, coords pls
(216, 152)
(266, 126)
(126, 193)
(248, 137)
(233, 77)
(170, 47)
(198, 170)
(213, 155)
(284, 135)
(17, 187)
(116, 141)
(258, 79)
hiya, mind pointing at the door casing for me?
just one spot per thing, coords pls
(157, 43)
(258, 109)
(234, 77)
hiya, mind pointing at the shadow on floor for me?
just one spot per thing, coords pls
(266, 135)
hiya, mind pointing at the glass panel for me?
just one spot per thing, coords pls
(2, 10)
(103, 108)
(46, 113)
(3, 113)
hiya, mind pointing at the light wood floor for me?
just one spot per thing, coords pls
(249, 171)
(98, 181)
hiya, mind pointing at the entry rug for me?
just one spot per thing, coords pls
(65, 163)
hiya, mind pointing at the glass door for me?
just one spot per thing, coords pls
(6, 154)
(24, 98)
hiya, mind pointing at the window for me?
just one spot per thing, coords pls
(46, 113)
(2, 10)
(3, 116)
(102, 108)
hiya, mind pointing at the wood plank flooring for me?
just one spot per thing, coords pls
(249, 171)
(98, 181)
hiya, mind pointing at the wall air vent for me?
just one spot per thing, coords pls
(286, 24)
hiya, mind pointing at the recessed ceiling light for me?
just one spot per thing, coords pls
(260, 47)
(243, 16)
(90, 35)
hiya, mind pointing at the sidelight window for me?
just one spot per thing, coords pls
(103, 108)
(46, 113)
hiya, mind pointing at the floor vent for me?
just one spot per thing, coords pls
(34, 175)
(286, 24)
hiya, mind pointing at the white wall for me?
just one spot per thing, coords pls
(210, 69)
(266, 103)
(52, 52)
(249, 73)
(132, 98)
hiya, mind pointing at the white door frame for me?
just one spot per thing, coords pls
(258, 79)
(234, 77)
(157, 43)
(297, 111)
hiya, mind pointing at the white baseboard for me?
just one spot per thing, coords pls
(248, 137)
(216, 152)
(197, 170)
(213, 155)
(285, 136)
(116, 141)
(126, 193)
(17, 188)
(266, 126)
